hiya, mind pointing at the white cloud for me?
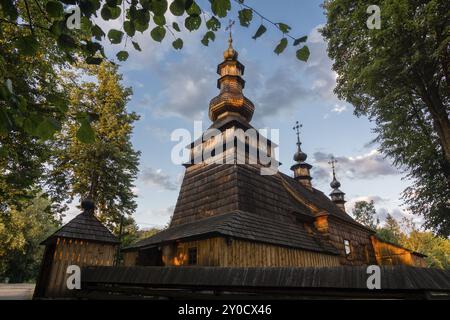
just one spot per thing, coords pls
(158, 178)
(339, 108)
(365, 166)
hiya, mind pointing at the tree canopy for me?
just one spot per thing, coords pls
(398, 76)
(365, 213)
(104, 170)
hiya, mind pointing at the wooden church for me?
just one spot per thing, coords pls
(230, 214)
(239, 227)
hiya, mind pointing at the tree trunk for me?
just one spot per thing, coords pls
(441, 124)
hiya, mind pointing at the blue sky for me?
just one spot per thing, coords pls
(172, 89)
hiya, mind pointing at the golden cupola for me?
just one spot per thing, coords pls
(231, 100)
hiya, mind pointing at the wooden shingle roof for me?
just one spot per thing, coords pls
(243, 225)
(281, 278)
(237, 201)
(84, 226)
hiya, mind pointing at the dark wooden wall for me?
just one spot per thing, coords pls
(218, 251)
(73, 252)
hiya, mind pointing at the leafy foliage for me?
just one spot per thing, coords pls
(36, 28)
(21, 231)
(365, 213)
(398, 76)
(106, 167)
(406, 234)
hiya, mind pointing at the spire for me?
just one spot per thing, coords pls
(301, 168)
(299, 156)
(337, 196)
(231, 100)
(230, 53)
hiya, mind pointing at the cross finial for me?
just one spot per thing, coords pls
(296, 128)
(229, 26)
(333, 162)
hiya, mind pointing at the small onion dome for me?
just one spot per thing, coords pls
(88, 205)
(335, 184)
(300, 156)
(230, 54)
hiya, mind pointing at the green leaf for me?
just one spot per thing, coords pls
(97, 32)
(261, 30)
(128, 26)
(213, 24)
(303, 53)
(94, 60)
(66, 42)
(136, 46)
(85, 134)
(9, 7)
(93, 47)
(158, 33)
(47, 128)
(115, 12)
(54, 9)
(281, 46)
(159, 20)
(300, 40)
(106, 13)
(27, 46)
(89, 7)
(194, 9)
(245, 17)
(192, 23)
(141, 20)
(177, 7)
(57, 27)
(178, 44)
(115, 36)
(208, 36)
(220, 8)
(176, 26)
(122, 55)
(283, 27)
(158, 7)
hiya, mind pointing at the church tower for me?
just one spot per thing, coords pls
(301, 168)
(337, 196)
(231, 100)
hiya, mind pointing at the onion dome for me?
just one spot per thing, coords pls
(231, 100)
(335, 184)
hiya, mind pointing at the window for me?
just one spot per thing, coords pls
(192, 256)
(347, 247)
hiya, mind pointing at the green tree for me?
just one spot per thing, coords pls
(399, 77)
(105, 169)
(30, 106)
(21, 231)
(365, 213)
(391, 231)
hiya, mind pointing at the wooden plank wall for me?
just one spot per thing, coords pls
(129, 258)
(390, 254)
(216, 252)
(76, 252)
(362, 252)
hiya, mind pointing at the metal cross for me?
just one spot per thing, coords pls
(297, 129)
(333, 162)
(230, 25)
